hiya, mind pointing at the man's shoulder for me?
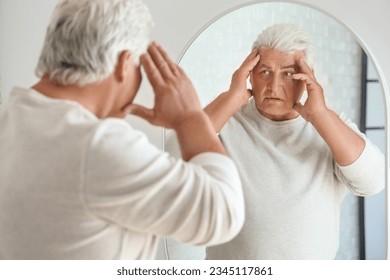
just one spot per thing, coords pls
(115, 129)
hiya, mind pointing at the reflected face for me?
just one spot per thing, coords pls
(273, 88)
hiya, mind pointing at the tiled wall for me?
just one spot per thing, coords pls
(213, 56)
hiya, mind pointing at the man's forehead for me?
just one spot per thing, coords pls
(276, 56)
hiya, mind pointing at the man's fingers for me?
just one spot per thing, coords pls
(304, 77)
(172, 65)
(151, 70)
(158, 66)
(300, 76)
(163, 63)
(303, 65)
(311, 84)
(251, 61)
(298, 107)
(247, 66)
(140, 111)
(305, 68)
(252, 55)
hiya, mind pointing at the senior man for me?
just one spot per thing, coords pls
(296, 161)
(76, 180)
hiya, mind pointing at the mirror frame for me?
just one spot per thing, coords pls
(383, 82)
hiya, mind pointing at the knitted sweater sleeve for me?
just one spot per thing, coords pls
(365, 176)
(131, 183)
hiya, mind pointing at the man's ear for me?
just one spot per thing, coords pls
(121, 67)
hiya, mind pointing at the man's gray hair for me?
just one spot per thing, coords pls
(288, 38)
(85, 38)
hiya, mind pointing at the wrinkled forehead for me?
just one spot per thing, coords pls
(276, 57)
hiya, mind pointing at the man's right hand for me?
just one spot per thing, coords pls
(228, 103)
(238, 88)
(176, 105)
(175, 97)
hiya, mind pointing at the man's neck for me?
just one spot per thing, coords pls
(93, 97)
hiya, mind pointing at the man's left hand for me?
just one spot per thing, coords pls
(315, 102)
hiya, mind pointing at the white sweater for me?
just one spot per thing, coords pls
(292, 186)
(76, 187)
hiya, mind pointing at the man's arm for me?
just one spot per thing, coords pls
(199, 201)
(346, 145)
(366, 175)
(228, 103)
(359, 164)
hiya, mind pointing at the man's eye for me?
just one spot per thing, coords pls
(264, 72)
(288, 74)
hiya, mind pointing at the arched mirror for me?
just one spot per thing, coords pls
(350, 83)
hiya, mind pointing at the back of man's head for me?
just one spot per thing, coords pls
(85, 37)
(288, 38)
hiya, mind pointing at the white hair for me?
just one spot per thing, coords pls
(287, 38)
(85, 38)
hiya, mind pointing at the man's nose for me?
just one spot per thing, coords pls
(274, 82)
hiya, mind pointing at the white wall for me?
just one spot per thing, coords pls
(22, 28)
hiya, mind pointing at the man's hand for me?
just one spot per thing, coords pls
(238, 88)
(228, 103)
(315, 102)
(175, 97)
(176, 105)
(346, 145)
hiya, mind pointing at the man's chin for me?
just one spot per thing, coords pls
(278, 113)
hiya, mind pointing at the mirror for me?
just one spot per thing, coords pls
(350, 83)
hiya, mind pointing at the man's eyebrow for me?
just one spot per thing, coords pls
(264, 66)
(290, 66)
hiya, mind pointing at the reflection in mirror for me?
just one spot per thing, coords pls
(350, 86)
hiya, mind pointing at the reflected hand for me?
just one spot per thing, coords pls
(175, 97)
(238, 87)
(315, 102)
